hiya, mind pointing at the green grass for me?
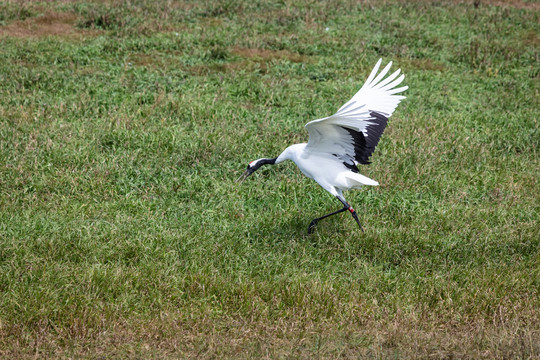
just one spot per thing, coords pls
(123, 233)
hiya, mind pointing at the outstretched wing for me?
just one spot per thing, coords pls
(352, 133)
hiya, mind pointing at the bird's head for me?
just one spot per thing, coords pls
(254, 166)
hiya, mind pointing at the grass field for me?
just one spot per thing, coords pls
(123, 126)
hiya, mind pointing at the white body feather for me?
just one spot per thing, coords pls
(330, 174)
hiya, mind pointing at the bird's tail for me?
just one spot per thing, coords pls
(357, 180)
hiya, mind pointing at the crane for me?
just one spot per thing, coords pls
(338, 143)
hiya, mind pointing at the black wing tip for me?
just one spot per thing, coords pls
(365, 146)
(379, 116)
(348, 164)
(352, 167)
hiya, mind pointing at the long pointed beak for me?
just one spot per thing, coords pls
(243, 177)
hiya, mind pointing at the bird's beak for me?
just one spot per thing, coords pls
(243, 177)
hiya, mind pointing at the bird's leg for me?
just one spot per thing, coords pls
(346, 207)
(353, 212)
(315, 221)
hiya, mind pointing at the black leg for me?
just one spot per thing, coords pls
(353, 212)
(346, 207)
(315, 221)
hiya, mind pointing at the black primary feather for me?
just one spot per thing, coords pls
(348, 162)
(364, 146)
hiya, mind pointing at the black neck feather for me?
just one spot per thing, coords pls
(263, 162)
(268, 161)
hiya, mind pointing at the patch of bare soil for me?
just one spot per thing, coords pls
(424, 64)
(265, 54)
(49, 24)
(519, 4)
(252, 58)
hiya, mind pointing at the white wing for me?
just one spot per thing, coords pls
(352, 133)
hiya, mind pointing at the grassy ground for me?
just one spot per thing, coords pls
(124, 125)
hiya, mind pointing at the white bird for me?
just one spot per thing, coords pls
(338, 143)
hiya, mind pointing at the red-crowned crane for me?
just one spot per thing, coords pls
(338, 143)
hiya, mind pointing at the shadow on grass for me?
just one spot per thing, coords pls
(295, 229)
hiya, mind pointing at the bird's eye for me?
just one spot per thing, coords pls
(248, 167)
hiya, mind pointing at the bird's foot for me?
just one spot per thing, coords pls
(353, 213)
(311, 226)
